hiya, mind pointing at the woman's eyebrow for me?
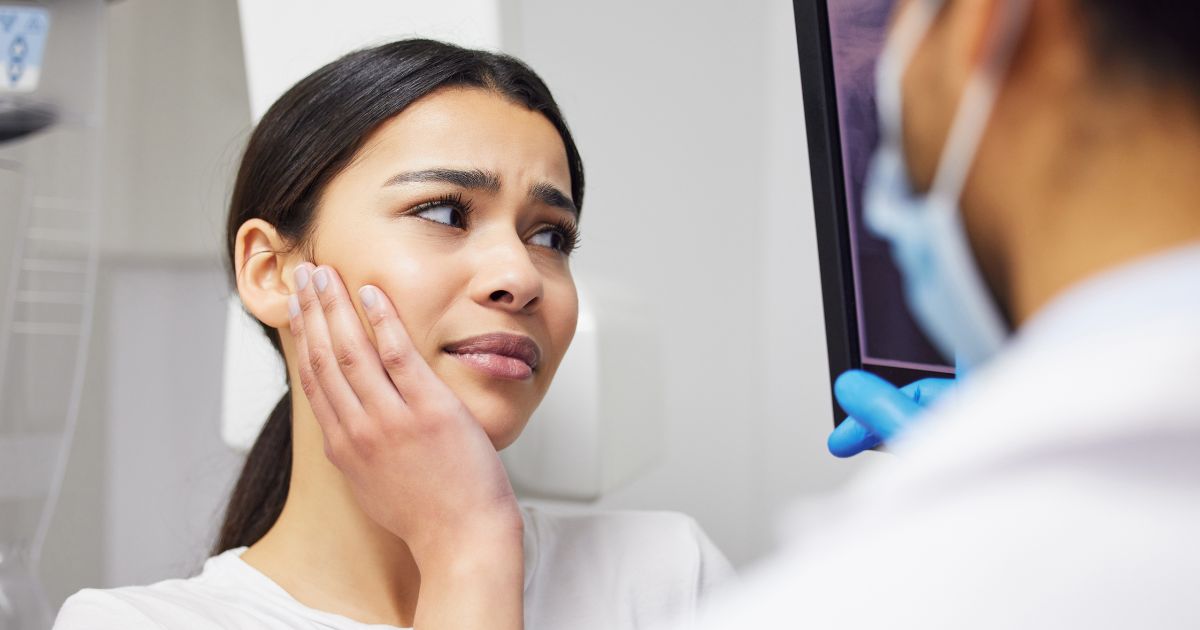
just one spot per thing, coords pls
(464, 178)
(549, 195)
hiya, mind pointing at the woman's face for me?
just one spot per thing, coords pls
(460, 209)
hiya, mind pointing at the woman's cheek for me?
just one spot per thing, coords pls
(566, 316)
(561, 313)
(421, 290)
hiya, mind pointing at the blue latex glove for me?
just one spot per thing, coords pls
(879, 411)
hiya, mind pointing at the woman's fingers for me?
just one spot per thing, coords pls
(324, 412)
(321, 364)
(408, 370)
(355, 356)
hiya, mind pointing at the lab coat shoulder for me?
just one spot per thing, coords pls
(1061, 542)
(1058, 487)
(649, 564)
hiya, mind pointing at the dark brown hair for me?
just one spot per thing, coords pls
(1149, 41)
(303, 141)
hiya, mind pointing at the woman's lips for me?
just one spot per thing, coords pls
(502, 355)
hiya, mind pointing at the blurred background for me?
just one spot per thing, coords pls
(690, 121)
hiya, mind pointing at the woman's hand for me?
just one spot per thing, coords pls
(420, 465)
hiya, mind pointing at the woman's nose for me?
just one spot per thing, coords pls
(508, 280)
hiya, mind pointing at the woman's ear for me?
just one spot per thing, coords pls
(264, 272)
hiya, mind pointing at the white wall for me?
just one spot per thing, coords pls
(285, 40)
(689, 118)
(176, 116)
(148, 473)
(168, 473)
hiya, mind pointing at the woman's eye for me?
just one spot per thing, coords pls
(551, 237)
(444, 214)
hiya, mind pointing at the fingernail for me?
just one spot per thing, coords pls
(321, 279)
(293, 306)
(301, 278)
(368, 296)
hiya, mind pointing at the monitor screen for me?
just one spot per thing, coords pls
(867, 320)
(888, 337)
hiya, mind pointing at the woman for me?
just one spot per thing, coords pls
(442, 187)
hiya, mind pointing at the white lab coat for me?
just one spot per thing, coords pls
(1059, 487)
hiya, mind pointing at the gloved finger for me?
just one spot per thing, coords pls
(877, 404)
(851, 438)
(927, 390)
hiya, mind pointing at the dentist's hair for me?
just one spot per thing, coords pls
(303, 141)
(1148, 41)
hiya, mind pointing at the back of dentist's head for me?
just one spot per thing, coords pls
(1016, 135)
(303, 141)
(1146, 41)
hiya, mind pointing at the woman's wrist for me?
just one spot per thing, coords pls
(479, 540)
(470, 575)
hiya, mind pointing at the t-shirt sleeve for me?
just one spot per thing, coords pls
(714, 571)
(92, 609)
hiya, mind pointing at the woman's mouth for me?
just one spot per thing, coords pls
(501, 355)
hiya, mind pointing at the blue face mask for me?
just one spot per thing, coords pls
(942, 282)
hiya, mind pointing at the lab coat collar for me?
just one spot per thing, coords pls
(1160, 285)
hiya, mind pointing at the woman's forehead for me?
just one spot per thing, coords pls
(466, 128)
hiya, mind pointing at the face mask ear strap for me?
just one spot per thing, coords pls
(910, 29)
(978, 101)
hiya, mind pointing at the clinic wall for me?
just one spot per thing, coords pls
(690, 121)
(176, 118)
(148, 474)
(285, 40)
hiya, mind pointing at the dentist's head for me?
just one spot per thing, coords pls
(446, 177)
(1027, 145)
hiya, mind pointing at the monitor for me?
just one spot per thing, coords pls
(867, 322)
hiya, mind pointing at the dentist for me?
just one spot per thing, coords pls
(1039, 182)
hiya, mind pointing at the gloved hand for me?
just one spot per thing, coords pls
(879, 411)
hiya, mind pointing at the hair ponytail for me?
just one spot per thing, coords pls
(262, 488)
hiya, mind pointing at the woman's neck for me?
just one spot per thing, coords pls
(325, 551)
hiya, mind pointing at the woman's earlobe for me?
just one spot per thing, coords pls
(261, 273)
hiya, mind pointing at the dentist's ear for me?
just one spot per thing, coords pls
(263, 270)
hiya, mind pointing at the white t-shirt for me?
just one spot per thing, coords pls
(583, 570)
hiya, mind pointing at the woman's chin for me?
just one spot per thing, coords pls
(502, 418)
(502, 431)
(502, 407)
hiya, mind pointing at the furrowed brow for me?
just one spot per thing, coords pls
(474, 178)
(550, 195)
